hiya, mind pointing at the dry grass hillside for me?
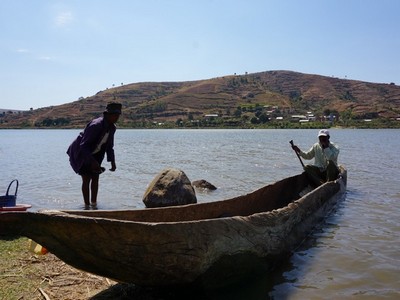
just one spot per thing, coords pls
(234, 99)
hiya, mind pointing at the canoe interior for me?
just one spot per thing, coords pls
(270, 197)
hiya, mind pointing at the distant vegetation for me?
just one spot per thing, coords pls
(274, 99)
(49, 122)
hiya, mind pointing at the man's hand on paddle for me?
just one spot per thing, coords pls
(295, 148)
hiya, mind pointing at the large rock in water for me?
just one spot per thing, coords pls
(170, 187)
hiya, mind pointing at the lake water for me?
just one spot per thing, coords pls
(355, 254)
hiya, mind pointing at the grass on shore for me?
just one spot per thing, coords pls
(25, 275)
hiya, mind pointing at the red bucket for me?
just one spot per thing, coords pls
(9, 200)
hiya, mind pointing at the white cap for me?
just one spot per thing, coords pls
(323, 132)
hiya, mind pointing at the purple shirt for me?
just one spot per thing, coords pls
(81, 149)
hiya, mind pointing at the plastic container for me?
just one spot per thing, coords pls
(36, 248)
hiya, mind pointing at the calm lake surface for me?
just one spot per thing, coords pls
(354, 254)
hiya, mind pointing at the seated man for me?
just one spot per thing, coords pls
(325, 166)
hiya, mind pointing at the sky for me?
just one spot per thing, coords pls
(54, 52)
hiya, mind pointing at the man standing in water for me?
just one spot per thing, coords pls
(87, 151)
(325, 166)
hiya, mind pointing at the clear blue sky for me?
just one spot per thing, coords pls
(53, 52)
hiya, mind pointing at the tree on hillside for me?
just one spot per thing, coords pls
(346, 116)
(238, 112)
(263, 118)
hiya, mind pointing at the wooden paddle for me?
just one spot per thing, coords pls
(291, 143)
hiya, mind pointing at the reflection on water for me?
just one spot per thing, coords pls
(354, 254)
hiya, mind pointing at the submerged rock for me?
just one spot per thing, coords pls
(203, 184)
(170, 187)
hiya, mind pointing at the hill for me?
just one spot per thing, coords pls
(263, 98)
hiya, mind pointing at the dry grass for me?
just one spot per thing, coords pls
(25, 275)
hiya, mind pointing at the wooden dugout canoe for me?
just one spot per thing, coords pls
(208, 244)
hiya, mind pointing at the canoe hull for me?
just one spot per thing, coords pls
(203, 251)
